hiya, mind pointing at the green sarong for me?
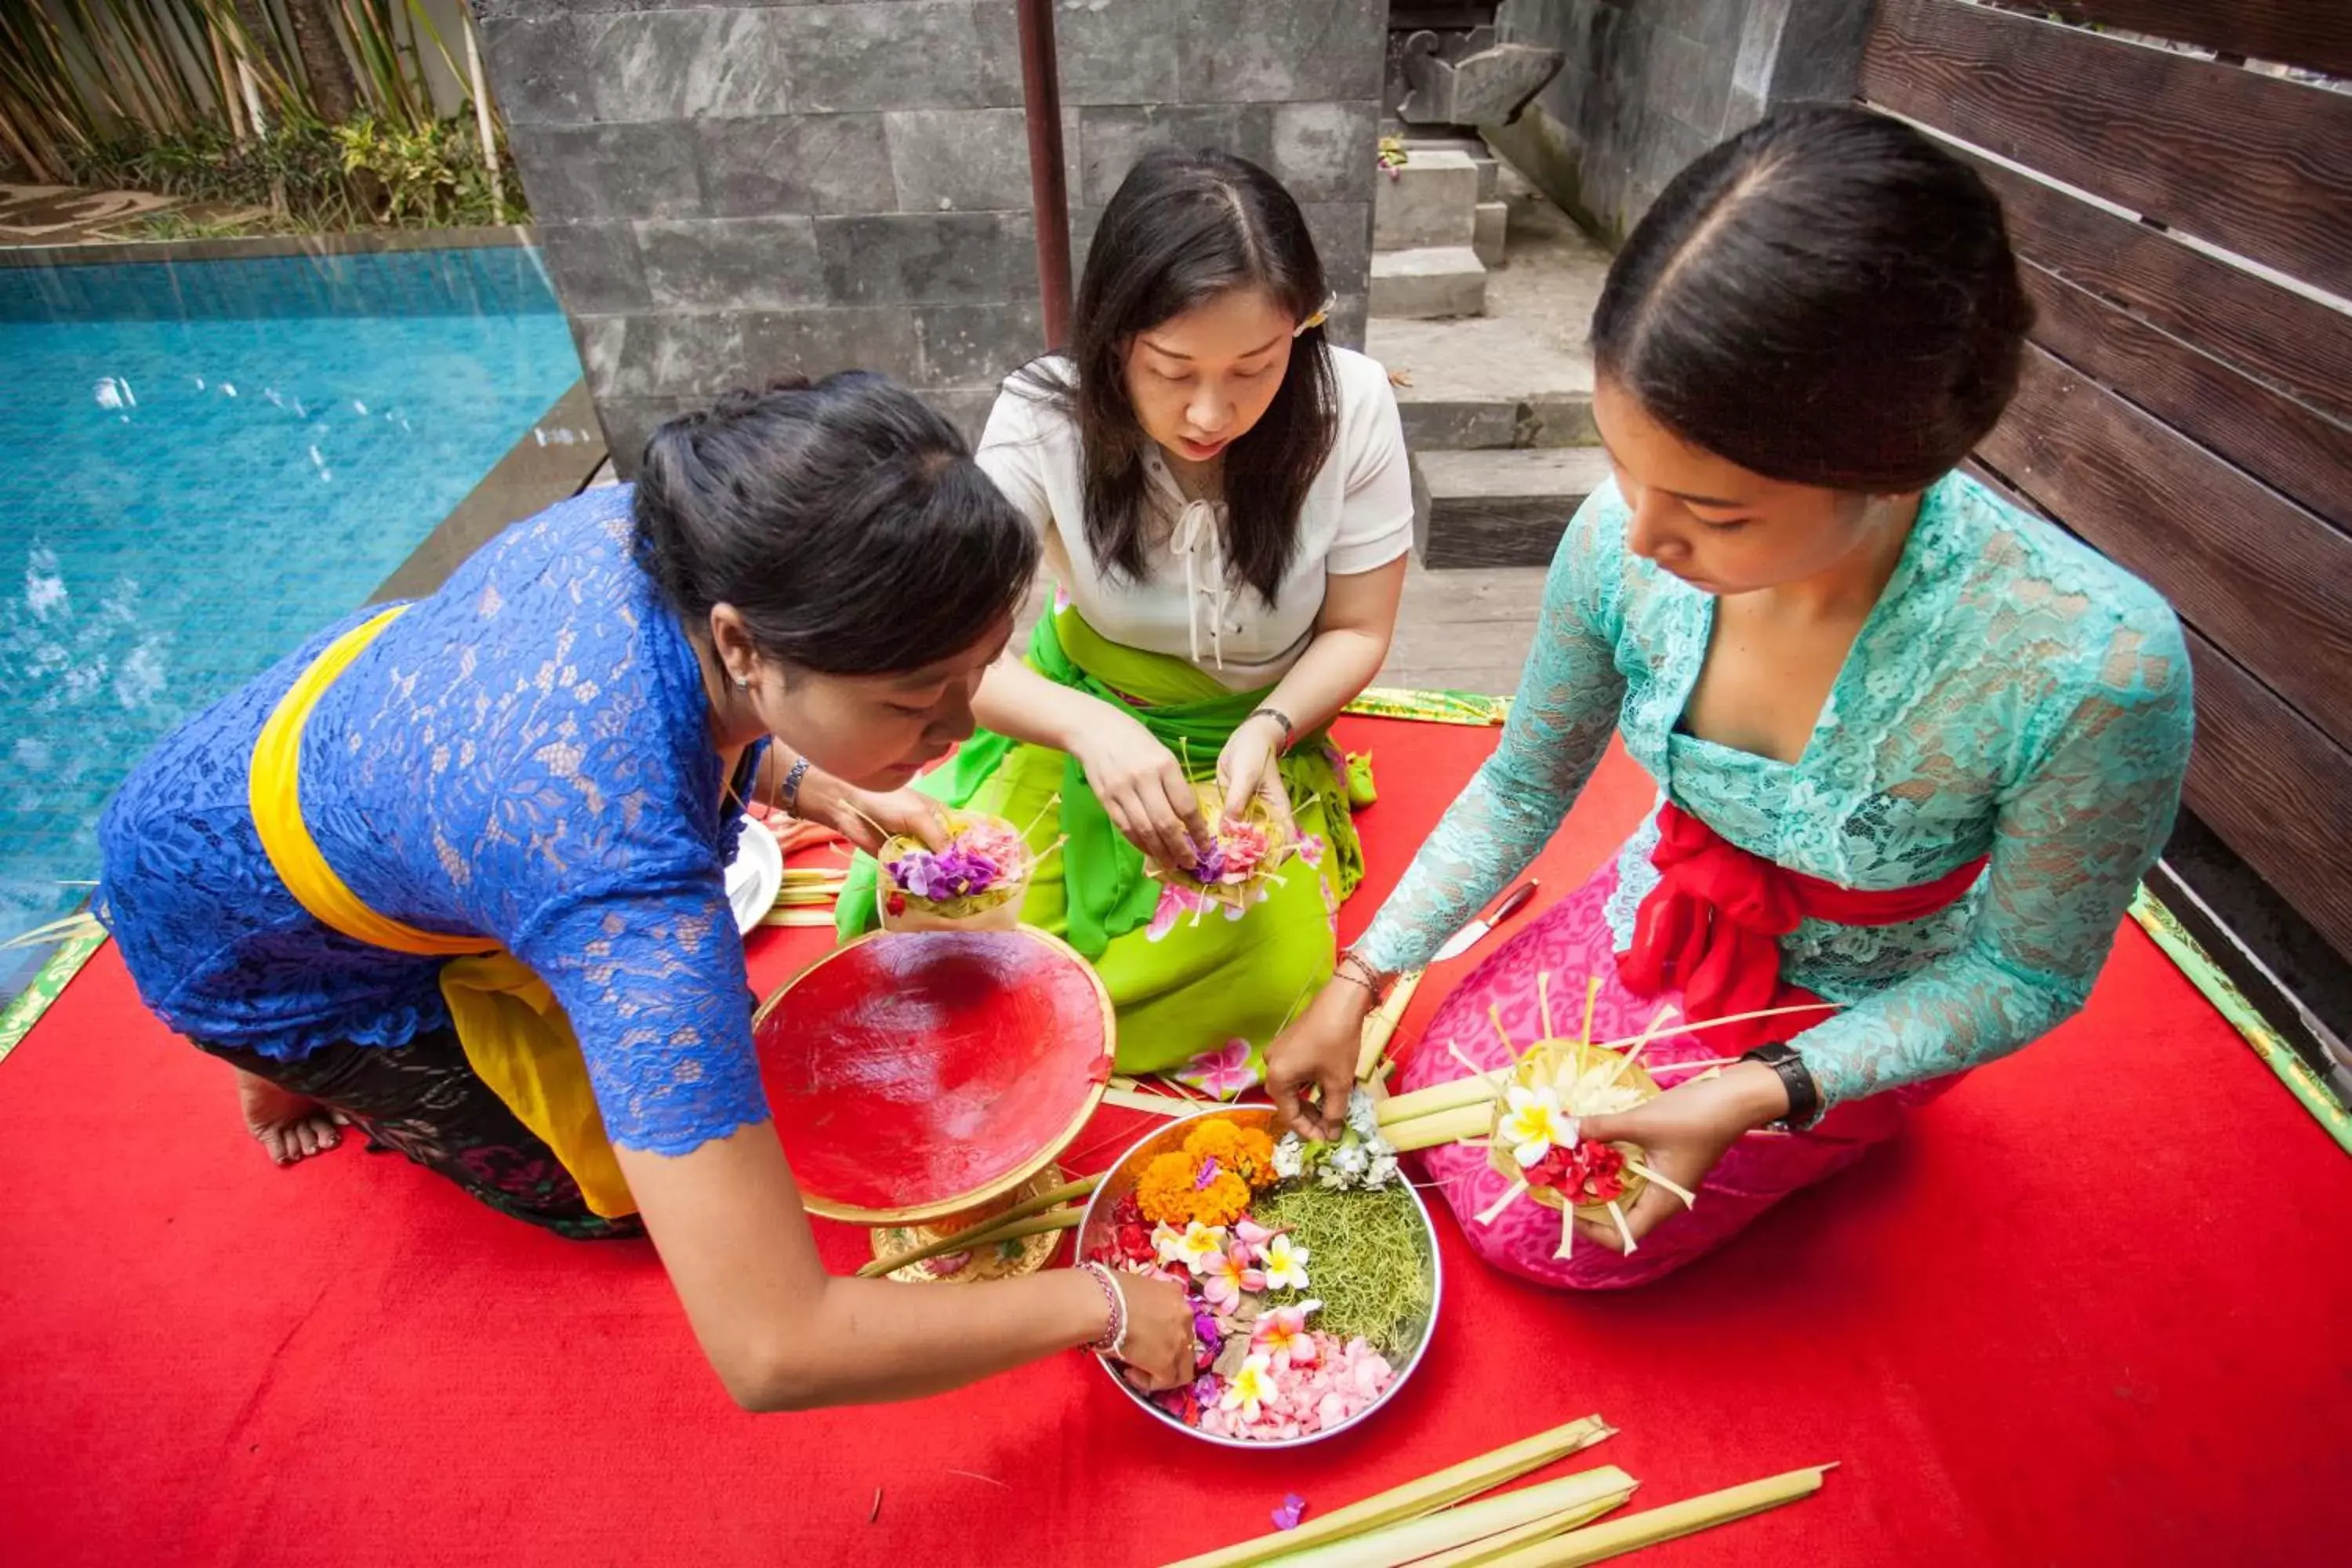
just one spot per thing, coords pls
(1189, 978)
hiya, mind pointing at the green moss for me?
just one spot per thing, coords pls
(1368, 1262)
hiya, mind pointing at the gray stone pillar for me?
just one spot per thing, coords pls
(727, 192)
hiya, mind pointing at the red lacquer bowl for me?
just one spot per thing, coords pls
(916, 1075)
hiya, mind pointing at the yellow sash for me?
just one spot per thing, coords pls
(515, 1034)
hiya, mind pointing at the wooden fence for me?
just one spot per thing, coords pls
(2187, 412)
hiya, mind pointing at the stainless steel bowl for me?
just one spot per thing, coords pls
(1120, 1179)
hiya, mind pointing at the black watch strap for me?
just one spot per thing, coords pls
(1805, 1094)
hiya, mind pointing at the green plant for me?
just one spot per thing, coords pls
(251, 101)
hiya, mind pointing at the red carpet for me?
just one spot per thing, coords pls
(2093, 1312)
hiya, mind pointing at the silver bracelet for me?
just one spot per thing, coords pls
(1113, 1335)
(788, 798)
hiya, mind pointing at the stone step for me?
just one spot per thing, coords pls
(1477, 151)
(1429, 283)
(1499, 509)
(1490, 231)
(1431, 200)
(1436, 423)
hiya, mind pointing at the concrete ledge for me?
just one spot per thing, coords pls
(359, 242)
(1425, 284)
(1501, 509)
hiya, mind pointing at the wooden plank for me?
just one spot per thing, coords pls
(2260, 166)
(2298, 452)
(2277, 791)
(2272, 333)
(2266, 779)
(2314, 34)
(2268, 581)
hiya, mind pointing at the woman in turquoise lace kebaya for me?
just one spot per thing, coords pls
(550, 755)
(1914, 747)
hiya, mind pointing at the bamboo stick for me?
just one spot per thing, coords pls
(972, 1240)
(1445, 1126)
(1478, 1553)
(1409, 1540)
(1149, 1104)
(1599, 1542)
(1414, 1498)
(1482, 1089)
(975, 1234)
(1381, 1027)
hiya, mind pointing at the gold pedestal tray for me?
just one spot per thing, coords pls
(993, 1260)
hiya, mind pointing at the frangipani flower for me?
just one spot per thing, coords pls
(1532, 1122)
(1285, 1263)
(1226, 1277)
(1252, 1235)
(1225, 1072)
(1282, 1335)
(1251, 1388)
(1194, 1247)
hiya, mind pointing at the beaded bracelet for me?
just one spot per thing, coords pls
(788, 798)
(1114, 1336)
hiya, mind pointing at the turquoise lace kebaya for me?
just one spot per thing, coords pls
(2013, 694)
(524, 755)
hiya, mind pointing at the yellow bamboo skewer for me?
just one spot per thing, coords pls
(1445, 1126)
(1479, 1553)
(1381, 1027)
(970, 1236)
(1414, 1498)
(1410, 1540)
(1598, 1542)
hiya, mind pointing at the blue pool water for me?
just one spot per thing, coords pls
(200, 463)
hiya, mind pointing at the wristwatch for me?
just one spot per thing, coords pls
(1805, 1094)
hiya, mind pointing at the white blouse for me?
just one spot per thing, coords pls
(1357, 517)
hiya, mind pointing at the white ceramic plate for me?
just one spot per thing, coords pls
(756, 876)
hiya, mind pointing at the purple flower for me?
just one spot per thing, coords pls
(1204, 1324)
(1288, 1516)
(954, 873)
(1209, 864)
(1208, 1174)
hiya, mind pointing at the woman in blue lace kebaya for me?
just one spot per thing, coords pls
(1914, 747)
(548, 758)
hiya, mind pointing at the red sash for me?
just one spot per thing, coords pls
(1712, 926)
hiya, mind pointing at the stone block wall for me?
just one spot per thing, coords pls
(724, 192)
(1650, 84)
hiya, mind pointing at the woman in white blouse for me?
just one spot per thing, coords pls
(1226, 513)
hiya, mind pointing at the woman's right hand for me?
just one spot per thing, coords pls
(1318, 1052)
(1141, 785)
(1160, 1350)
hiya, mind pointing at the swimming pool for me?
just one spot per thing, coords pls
(200, 463)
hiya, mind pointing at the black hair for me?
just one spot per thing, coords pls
(845, 520)
(1828, 299)
(1181, 229)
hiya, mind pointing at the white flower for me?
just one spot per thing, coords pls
(1363, 1115)
(1350, 1160)
(1289, 1157)
(1285, 1265)
(1531, 1123)
(1200, 1246)
(1383, 1171)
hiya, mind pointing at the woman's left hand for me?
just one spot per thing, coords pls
(1251, 765)
(1682, 1135)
